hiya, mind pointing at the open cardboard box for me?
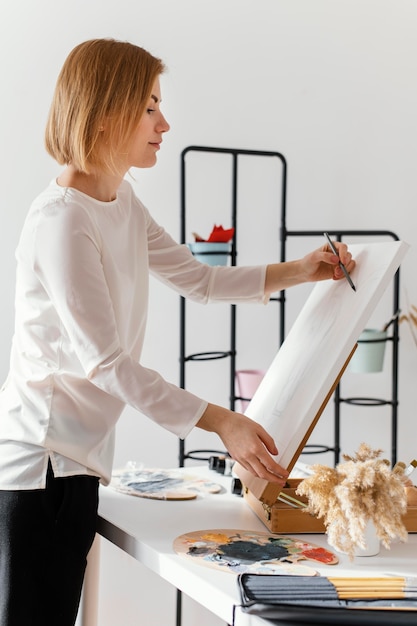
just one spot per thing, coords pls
(305, 372)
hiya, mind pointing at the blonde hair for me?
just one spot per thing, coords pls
(101, 94)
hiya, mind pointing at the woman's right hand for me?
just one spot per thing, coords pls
(246, 441)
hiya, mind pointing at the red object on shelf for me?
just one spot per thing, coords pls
(217, 235)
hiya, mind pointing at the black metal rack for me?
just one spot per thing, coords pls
(230, 353)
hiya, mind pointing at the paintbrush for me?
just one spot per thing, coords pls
(410, 469)
(376, 587)
(296, 504)
(404, 471)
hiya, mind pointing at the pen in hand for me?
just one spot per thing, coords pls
(343, 268)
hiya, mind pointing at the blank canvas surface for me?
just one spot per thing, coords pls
(316, 349)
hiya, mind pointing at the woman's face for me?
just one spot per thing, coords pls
(147, 138)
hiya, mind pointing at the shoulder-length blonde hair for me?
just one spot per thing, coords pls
(101, 94)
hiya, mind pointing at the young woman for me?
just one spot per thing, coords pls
(83, 263)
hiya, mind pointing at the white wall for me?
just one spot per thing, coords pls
(331, 84)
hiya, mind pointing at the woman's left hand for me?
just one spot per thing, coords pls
(323, 264)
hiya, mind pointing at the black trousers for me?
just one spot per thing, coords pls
(45, 536)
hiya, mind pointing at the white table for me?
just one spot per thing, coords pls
(146, 529)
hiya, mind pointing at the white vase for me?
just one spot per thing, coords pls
(372, 542)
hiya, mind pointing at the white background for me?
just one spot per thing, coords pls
(331, 84)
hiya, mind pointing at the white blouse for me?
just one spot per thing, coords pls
(81, 306)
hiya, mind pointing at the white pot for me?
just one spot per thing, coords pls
(372, 542)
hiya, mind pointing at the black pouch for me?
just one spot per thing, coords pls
(306, 600)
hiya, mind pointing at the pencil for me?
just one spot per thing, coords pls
(343, 268)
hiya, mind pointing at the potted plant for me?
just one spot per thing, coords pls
(216, 249)
(361, 491)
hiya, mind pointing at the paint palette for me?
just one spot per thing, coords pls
(161, 484)
(244, 551)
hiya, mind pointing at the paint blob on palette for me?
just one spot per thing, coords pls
(161, 484)
(244, 551)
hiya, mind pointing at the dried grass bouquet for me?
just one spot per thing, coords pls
(361, 490)
(411, 318)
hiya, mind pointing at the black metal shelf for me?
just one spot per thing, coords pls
(230, 353)
(284, 235)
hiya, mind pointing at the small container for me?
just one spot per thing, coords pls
(211, 253)
(247, 382)
(369, 355)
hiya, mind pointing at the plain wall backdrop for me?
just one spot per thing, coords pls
(329, 83)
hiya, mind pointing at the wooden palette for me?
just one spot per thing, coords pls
(245, 551)
(161, 484)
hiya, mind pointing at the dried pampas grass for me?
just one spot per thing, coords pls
(411, 319)
(361, 490)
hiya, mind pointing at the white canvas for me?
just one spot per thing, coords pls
(317, 347)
